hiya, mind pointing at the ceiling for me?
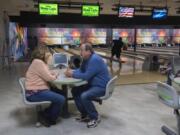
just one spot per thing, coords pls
(13, 7)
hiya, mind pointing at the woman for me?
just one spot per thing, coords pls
(37, 89)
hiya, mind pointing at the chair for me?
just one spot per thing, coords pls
(109, 90)
(60, 60)
(37, 104)
(169, 96)
(75, 61)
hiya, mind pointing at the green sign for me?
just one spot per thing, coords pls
(48, 9)
(90, 10)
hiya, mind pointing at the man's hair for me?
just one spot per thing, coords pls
(88, 47)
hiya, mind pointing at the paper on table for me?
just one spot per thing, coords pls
(61, 76)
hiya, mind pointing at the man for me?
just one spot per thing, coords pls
(116, 49)
(95, 72)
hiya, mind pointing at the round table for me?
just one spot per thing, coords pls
(62, 83)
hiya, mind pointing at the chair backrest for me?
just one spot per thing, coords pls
(60, 59)
(75, 61)
(168, 95)
(109, 88)
(22, 84)
(23, 91)
(175, 62)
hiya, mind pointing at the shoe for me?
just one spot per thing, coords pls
(82, 119)
(44, 118)
(93, 123)
(52, 122)
(44, 121)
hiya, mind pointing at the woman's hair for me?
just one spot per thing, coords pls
(38, 53)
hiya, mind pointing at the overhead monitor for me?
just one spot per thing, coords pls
(159, 13)
(127, 12)
(48, 9)
(90, 10)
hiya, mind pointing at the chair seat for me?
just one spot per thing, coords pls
(36, 103)
(104, 97)
(98, 100)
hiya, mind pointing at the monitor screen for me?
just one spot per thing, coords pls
(60, 59)
(48, 9)
(90, 10)
(159, 13)
(126, 12)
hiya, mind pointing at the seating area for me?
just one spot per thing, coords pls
(169, 93)
(169, 96)
(123, 103)
(123, 113)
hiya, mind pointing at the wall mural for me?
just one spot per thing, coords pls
(73, 36)
(153, 36)
(17, 41)
(176, 36)
(126, 34)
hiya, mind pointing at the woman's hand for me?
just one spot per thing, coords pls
(55, 73)
(68, 72)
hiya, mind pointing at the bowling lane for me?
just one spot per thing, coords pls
(159, 49)
(130, 65)
(130, 72)
(162, 51)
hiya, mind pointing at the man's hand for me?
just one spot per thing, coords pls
(68, 72)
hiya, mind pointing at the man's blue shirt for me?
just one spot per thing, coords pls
(93, 70)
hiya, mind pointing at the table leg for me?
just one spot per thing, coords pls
(65, 112)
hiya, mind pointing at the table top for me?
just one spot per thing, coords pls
(63, 80)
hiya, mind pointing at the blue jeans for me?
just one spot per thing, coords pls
(57, 102)
(83, 97)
